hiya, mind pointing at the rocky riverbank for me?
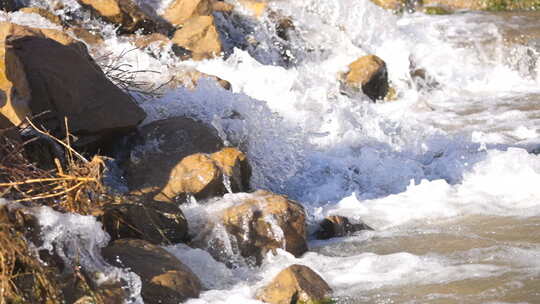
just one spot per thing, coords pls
(74, 141)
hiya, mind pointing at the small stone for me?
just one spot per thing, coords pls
(369, 74)
(338, 226)
(294, 285)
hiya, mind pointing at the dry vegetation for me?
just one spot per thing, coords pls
(73, 186)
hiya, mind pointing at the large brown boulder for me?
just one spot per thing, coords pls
(205, 176)
(155, 222)
(190, 79)
(179, 11)
(198, 38)
(368, 74)
(294, 285)
(164, 278)
(127, 14)
(59, 78)
(162, 145)
(261, 222)
(338, 226)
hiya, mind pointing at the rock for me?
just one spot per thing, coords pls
(265, 221)
(87, 36)
(369, 74)
(198, 38)
(8, 129)
(458, 4)
(8, 5)
(338, 226)
(59, 76)
(155, 222)
(164, 278)
(202, 175)
(43, 13)
(191, 78)
(196, 175)
(179, 11)
(255, 7)
(294, 285)
(144, 41)
(390, 4)
(222, 6)
(234, 165)
(161, 145)
(127, 14)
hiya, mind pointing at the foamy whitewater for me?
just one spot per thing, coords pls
(444, 174)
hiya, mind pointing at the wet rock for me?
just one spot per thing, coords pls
(256, 7)
(198, 38)
(457, 4)
(191, 78)
(179, 11)
(196, 175)
(263, 222)
(222, 6)
(8, 5)
(127, 15)
(43, 13)
(202, 175)
(234, 165)
(144, 41)
(155, 222)
(390, 4)
(8, 129)
(72, 92)
(294, 285)
(161, 146)
(164, 278)
(369, 74)
(85, 35)
(338, 226)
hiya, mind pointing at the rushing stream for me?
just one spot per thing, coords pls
(445, 173)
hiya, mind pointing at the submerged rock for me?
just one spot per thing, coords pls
(155, 222)
(338, 226)
(161, 146)
(294, 285)
(258, 223)
(198, 39)
(164, 278)
(368, 74)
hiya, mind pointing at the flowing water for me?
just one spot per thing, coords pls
(445, 173)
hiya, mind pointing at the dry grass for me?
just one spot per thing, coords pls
(23, 279)
(71, 187)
